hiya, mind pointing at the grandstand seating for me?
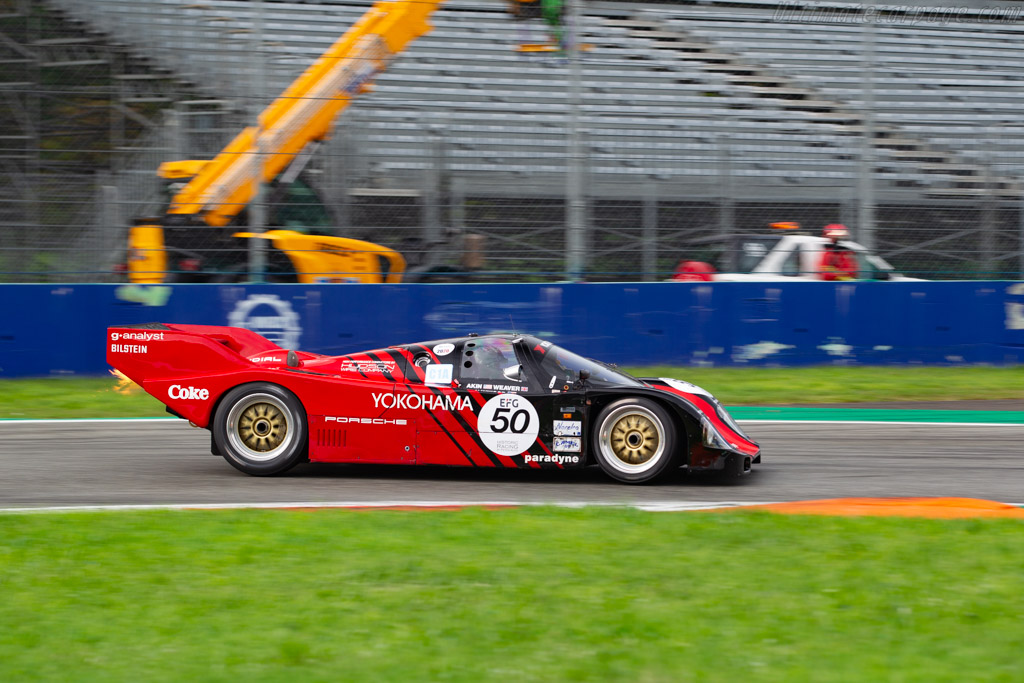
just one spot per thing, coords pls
(669, 92)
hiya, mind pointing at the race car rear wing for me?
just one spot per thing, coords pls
(188, 367)
(156, 351)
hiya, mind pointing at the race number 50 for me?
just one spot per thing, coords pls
(517, 422)
(508, 424)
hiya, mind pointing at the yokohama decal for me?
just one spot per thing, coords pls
(418, 402)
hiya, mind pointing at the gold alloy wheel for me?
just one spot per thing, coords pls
(635, 439)
(262, 427)
(632, 440)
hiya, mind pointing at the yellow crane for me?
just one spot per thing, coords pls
(213, 193)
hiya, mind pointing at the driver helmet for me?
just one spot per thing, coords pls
(490, 353)
(835, 232)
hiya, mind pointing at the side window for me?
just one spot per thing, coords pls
(791, 265)
(300, 209)
(751, 254)
(866, 269)
(491, 360)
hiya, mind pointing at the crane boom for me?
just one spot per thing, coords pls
(304, 112)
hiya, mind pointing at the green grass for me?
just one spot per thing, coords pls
(95, 397)
(508, 595)
(73, 397)
(780, 386)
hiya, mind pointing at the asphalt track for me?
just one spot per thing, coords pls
(168, 463)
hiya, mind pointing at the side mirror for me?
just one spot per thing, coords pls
(513, 372)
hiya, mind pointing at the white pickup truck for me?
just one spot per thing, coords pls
(773, 256)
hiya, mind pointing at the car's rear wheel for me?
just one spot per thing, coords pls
(636, 440)
(261, 429)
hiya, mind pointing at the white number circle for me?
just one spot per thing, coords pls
(508, 424)
(443, 349)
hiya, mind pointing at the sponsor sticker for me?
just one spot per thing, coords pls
(495, 387)
(265, 359)
(368, 366)
(418, 402)
(567, 443)
(178, 392)
(508, 424)
(568, 428)
(557, 458)
(443, 349)
(439, 374)
(365, 420)
(129, 348)
(137, 336)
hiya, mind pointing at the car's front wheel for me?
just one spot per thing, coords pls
(261, 429)
(636, 440)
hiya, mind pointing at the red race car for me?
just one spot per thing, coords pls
(490, 401)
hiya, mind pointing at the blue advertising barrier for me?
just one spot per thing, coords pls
(60, 329)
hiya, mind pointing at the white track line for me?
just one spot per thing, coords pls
(654, 506)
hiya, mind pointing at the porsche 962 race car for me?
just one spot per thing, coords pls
(476, 401)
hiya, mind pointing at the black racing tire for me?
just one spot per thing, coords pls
(635, 441)
(261, 429)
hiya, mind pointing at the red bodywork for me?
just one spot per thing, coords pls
(702, 457)
(373, 406)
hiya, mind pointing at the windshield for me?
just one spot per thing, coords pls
(752, 251)
(560, 367)
(733, 253)
(300, 209)
(871, 265)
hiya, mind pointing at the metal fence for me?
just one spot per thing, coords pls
(673, 124)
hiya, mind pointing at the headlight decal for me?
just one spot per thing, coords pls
(711, 437)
